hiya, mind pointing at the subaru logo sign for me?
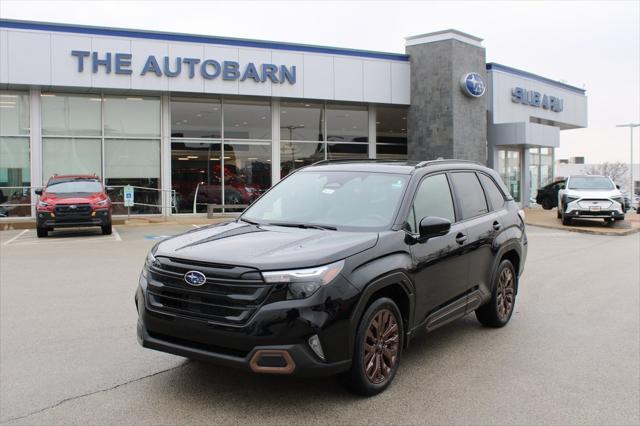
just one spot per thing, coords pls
(195, 278)
(473, 85)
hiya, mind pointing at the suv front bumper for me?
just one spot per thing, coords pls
(594, 208)
(274, 340)
(95, 218)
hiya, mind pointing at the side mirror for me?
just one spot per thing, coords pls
(617, 186)
(433, 227)
(38, 191)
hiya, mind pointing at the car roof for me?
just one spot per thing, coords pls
(391, 166)
(588, 176)
(74, 177)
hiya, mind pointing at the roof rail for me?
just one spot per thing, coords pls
(354, 160)
(443, 160)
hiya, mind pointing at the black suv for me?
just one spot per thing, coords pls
(336, 268)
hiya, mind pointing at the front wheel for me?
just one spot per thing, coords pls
(498, 311)
(106, 229)
(42, 232)
(378, 343)
(547, 204)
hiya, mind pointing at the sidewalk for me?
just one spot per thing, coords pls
(548, 219)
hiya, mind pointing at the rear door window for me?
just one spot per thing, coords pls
(469, 194)
(493, 193)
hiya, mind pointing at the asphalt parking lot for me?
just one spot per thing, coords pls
(571, 354)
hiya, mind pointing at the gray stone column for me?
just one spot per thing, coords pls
(444, 121)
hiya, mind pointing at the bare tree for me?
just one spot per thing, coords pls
(618, 172)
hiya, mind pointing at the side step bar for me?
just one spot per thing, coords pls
(454, 310)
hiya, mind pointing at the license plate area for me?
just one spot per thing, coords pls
(594, 208)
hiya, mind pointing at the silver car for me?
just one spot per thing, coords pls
(590, 196)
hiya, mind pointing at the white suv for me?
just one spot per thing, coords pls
(590, 197)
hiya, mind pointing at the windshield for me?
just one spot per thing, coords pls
(74, 186)
(333, 199)
(590, 182)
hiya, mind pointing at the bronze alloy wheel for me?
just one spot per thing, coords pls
(505, 293)
(381, 345)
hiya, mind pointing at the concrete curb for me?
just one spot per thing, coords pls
(587, 231)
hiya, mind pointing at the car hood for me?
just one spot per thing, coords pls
(71, 198)
(265, 247)
(594, 193)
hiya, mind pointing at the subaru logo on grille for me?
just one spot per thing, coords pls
(195, 278)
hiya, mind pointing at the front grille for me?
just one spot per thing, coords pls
(230, 295)
(73, 210)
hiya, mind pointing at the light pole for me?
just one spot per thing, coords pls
(631, 186)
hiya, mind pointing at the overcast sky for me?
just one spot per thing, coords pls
(592, 45)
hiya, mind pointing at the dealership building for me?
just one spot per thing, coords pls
(197, 123)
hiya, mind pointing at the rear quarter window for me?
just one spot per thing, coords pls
(493, 192)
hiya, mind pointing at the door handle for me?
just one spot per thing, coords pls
(496, 225)
(461, 238)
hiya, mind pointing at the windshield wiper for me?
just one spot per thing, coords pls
(305, 226)
(249, 221)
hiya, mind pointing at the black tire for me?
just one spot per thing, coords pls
(547, 204)
(497, 312)
(558, 213)
(106, 229)
(42, 232)
(566, 220)
(357, 379)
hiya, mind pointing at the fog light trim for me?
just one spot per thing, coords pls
(316, 346)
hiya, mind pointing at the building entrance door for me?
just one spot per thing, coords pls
(510, 169)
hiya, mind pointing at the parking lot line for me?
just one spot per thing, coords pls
(6, 243)
(116, 234)
(195, 226)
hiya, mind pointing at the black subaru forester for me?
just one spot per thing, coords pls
(336, 268)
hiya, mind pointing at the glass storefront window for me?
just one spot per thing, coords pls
(294, 155)
(195, 175)
(132, 117)
(391, 133)
(336, 151)
(15, 179)
(247, 173)
(15, 156)
(134, 162)
(247, 119)
(509, 169)
(197, 118)
(301, 121)
(347, 123)
(14, 113)
(71, 115)
(71, 156)
(540, 169)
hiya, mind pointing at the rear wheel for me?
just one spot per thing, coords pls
(106, 229)
(42, 232)
(498, 311)
(379, 341)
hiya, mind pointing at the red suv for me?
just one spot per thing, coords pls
(73, 200)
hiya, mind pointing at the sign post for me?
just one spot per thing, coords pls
(128, 199)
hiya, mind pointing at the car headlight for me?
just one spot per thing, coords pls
(150, 261)
(42, 204)
(571, 199)
(102, 203)
(305, 282)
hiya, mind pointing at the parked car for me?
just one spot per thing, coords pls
(590, 196)
(73, 200)
(336, 268)
(547, 196)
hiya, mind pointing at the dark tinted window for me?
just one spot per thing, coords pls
(432, 199)
(470, 194)
(493, 193)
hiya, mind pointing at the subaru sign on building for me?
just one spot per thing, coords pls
(199, 123)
